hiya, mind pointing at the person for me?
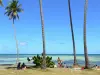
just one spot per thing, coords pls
(59, 62)
(96, 66)
(18, 66)
(65, 65)
(23, 66)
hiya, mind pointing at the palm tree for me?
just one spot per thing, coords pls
(84, 34)
(12, 11)
(1, 3)
(43, 36)
(71, 25)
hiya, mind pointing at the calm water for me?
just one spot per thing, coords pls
(67, 58)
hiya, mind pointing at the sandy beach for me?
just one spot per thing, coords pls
(49, 71)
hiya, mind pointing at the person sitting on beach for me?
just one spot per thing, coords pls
(96, 66)
(18, 66)
(65, 66)
(23, 66)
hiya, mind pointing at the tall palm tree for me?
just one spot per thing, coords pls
(71, 25)
(43, 36)
(84, 34)
(1, 4)
(12, 11)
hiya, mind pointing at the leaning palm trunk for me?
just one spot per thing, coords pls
(71, 25)
(16, 42)
(85, 45)
(43, 36)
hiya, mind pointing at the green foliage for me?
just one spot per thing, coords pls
(38, 61)
(13, 9)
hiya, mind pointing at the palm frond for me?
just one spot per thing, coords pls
(8, 13)
(17, 16)
(1, 3)
(10, 16)
(13, 9)
(19, 10)
(19, 5)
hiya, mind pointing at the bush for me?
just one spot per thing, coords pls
(38, 61)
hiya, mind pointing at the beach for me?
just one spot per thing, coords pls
(49, 71)
(7, 67)
(63, 33)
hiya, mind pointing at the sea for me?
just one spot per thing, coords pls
(66, 58)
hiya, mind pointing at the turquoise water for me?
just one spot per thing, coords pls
(67, 58)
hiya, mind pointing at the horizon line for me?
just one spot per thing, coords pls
(46, 54)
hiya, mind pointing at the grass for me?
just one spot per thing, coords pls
(49, 71)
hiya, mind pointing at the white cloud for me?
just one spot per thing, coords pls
(23, 43)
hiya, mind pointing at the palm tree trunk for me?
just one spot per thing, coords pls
(43, 36)
(1, 4)
(71, 25)
(85, 44)
(16, 42)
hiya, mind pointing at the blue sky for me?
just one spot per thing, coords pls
(57, 27)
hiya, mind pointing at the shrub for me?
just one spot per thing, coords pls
(38, 61)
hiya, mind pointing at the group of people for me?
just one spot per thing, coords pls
(19, 66)
(23, 66)
(96, 66)
(60, 63)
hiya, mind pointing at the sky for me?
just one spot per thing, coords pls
(57, 28)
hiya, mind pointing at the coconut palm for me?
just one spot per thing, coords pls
(85, 44)
(71, 25)
(12, 11)
(1, 3)
(43, 36)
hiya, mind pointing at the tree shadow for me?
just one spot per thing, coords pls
(28, 67)
(31, 68)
